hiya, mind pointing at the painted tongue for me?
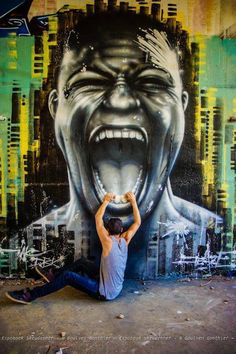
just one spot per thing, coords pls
(117, 164)
(118, 178)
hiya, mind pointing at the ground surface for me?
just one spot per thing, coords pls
(166, 316)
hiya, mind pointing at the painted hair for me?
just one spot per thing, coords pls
(76, 29)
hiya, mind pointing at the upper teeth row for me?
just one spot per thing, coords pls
(110, 134)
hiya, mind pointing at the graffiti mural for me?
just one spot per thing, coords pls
(109, 96)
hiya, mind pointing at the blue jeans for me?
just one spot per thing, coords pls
(81, 275)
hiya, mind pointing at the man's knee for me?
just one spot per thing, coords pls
(68, 275)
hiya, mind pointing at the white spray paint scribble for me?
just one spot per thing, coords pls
(149, 206)
(45, 262)
(33, 256)
(43, 207)
(209, 261)
(156, 44)
(178, 228)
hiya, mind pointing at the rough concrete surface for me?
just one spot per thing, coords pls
(166, 316)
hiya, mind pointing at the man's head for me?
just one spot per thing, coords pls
(114, 226)
(119, 111)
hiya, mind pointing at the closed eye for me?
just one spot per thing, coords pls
(89, 82)
(86, 84)
(152, 84)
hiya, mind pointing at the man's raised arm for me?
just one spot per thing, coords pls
(137, 219)
(101, 230)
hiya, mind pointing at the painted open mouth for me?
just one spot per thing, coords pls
(118, 158)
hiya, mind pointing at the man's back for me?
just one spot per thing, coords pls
(114, 247)
(112, 269)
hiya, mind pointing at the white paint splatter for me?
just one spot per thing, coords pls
(178, 228)
(149, 206)
(209, 261)
(162, 55)
(33, 256)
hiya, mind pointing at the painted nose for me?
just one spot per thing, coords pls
(121, 96)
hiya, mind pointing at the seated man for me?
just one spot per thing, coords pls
(113, 261)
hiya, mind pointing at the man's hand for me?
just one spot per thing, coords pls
(109, 197)
(130, 197)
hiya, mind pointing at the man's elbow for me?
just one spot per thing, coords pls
(98, 215)
(139, 220)
(98, 220)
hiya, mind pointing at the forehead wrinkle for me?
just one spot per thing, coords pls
(122, 52)
(102, 56)
(99, 64)
(114, 64)
(72, 63)
(157, 46)
(74, 55)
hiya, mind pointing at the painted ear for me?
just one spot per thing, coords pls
(53, 103)
(185, 99)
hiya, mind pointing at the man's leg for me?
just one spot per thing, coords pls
(81, 266)
(88, 285)
(73, 279)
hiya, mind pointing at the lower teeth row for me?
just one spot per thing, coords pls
(119, 198)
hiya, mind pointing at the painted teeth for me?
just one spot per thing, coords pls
(119, 199)
(102, 135)
(139, 136)
(109, 134)
(100, 183)
(132, 135)
(119, 133)
(139, 180)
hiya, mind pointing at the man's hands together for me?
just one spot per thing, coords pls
(130, 197)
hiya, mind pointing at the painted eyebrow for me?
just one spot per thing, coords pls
(153, 71)
(150, 71)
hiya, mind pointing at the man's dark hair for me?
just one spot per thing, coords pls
(114, 226)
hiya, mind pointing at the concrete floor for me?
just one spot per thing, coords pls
(166, 316)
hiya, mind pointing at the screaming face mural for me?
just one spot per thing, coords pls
(119, 119)
(118, 104)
